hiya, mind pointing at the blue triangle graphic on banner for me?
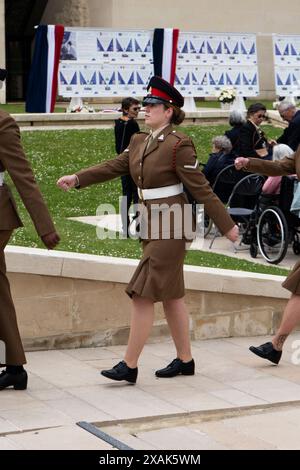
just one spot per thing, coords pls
(201, 48)
(118, 46)
(100, 48)
(236, 49)
(227, 50)
(245, 80)
(295, 79)
(139, 80)
(137, 46)
(74, 79)
(254, 81)
(82, 79)
(204, 79)
(243, 49)
(187, 80)
(112, 80)
(93, 80)
(111, 46)
(229, 81)
(129, 47)
(194, 79)
(101, 79)
(293, 51)
(209, 49)
(211, 80)
(279, 82)
(192, 48)
(289, 81)
(185, 48)
(286, 50)
(120, 79)
(131, 79)
(177, 81)
(252, 50)
(221, 79)
(63, 81)
(148, 47)
(219, 49)
(238, 79)
(277, 51)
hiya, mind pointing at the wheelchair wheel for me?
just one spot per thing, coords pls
(272, 235)
(296, 247)
(253, 250)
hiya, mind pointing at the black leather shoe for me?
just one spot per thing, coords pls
(18, 381)
(267, 351)
(176, 367)
(121, 372)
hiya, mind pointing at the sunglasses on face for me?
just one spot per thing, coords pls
(137, 108)
(262, 116)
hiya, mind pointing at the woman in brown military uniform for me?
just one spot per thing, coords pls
(160, 163)
(14, 162)
(291, 316)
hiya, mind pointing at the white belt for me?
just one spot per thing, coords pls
(1, 178)
(160, 193)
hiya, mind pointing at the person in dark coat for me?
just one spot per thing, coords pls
(291, 135)
(253, 142)
(124, 129)
(220, 157)
(236, 121)
(161, 164)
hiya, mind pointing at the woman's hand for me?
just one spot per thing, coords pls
(241, 162)
(233, 234)
(67, 182)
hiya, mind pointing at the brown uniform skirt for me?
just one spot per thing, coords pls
(159, 275)
(292, 282)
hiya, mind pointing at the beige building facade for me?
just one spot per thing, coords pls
(262, 17)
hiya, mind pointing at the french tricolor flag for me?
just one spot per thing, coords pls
(42, 84)
(164, 53)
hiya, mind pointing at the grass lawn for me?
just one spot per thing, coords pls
(19, 108)
(55, 153)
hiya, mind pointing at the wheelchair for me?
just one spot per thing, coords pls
(277, 227)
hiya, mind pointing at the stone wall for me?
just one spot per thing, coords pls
(71, 300)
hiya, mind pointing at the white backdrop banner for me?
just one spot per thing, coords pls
(101, 62)
(286, 53)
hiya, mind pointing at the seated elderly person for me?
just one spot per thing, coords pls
(291, 135)
(236, 121)
(272, 184)
(220, 157)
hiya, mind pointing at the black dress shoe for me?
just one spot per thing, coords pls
(267, 351)
(176, 367)
(121, 372)
(18, 381)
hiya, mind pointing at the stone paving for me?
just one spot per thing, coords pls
(235, 400)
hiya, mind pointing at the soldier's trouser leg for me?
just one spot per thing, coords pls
(9, 331)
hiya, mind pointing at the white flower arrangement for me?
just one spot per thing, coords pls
(226, 95)
(81, 109)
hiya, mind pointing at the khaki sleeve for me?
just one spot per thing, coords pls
(105, 171)
(187, 169)
(283, 167)
(15, 162)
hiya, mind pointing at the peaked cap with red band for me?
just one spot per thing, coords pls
(161, 92)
